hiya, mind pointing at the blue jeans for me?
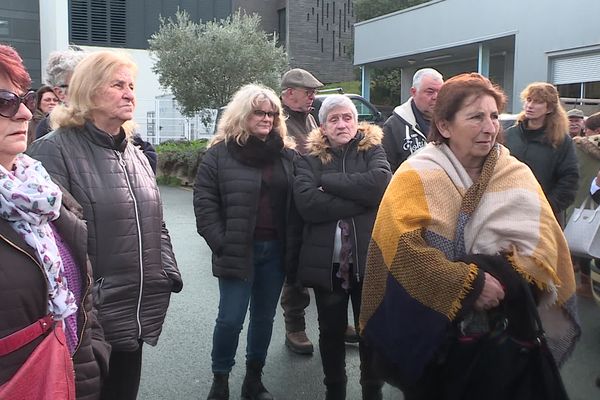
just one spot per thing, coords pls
(262, 292)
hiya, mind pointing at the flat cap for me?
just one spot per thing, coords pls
(575, 113)
(298, 77)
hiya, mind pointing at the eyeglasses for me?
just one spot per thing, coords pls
(261, 113)
(65, 86)
(10, 102)
(310, 92)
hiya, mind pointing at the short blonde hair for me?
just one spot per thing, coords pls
(556, 122)
(233, 125)
(94, 71)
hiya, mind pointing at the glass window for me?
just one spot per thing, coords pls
(591, 90)
(572, 90)
(4, 31)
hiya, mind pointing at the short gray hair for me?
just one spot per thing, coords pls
(60, 65)
(333, 101)
(422, 73)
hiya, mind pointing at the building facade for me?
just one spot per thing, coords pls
(513, 42)
(20, 28)
(317, 34)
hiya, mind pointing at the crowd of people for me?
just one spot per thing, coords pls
(443, 233)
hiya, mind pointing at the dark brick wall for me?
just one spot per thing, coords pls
(319, 33)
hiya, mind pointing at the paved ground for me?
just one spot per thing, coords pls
(179, 367)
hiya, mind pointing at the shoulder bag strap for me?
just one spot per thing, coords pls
(20, 338)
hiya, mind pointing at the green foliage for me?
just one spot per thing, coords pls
(367, 9)
(348, 86)
(205, 63)
(385, 86)
(179, 160)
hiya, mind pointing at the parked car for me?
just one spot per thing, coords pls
(366, 111)
(508, 120)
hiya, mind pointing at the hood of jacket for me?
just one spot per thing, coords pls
(405, 111)
(368, 135)
(589, 145)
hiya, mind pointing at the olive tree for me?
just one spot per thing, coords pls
(203, 64)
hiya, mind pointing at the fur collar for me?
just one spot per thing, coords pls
(368, 136)
(589, 145)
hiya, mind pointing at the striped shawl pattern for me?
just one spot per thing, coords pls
(431, 215)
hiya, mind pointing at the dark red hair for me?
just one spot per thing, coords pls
(12, 68)
(453, 94)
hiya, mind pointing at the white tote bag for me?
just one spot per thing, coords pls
(583, 230)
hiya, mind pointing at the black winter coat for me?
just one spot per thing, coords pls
(226, 199)
(24, 299)
(129, 246)
(556, 169)
(332, 184)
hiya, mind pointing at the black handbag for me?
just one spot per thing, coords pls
(498, 366)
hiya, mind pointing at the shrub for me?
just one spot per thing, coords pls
(179, 160)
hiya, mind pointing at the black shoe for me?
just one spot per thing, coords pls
(335, 391)
(351, 336)
(220, 387)
(372, 392)
(252, 387)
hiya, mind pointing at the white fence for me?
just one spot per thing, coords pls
(159, 120)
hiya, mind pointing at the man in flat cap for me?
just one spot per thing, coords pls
(576, 123)
(299, 88)
(298, 93)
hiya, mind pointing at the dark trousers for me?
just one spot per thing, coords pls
(123, 380)
(294, 299)
(332, 308)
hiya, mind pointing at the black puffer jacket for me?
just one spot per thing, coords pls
(128, 244)
(226, 200)
(24, 299)
(333, 184)
(556, 169)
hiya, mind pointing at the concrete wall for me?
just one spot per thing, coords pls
(542, 28)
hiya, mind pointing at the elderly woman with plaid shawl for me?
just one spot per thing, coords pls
(463, 235)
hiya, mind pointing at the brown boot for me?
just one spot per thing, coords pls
(585, 288)
(298, 342)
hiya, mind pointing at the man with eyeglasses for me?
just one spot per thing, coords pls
(298, 93)
(406, 130)
(59, 69)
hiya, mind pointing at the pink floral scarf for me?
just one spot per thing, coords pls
(29, 200)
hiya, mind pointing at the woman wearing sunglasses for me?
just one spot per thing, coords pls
(244, 211)
(44, 269)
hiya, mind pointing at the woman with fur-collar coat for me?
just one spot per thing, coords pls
(338, 186)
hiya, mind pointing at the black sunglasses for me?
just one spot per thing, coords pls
(10, 102)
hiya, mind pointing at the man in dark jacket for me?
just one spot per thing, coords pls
(299, 89)
(405, 131)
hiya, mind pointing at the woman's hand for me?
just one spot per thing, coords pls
(491, 295)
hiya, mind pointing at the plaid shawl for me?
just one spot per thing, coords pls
(431, 215)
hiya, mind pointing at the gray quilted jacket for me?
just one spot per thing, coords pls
(129, 246)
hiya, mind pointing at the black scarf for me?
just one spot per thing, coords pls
(256, 153)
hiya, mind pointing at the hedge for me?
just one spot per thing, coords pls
(178, 161)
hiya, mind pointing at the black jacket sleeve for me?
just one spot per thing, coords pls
(315, 205)
(168, 260)
(390, 143)
(365, 188)
(207, 202)
(563, 193)
(148, 150)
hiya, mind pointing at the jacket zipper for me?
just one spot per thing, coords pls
(84, 313)
(32, 258)
(139, 232)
